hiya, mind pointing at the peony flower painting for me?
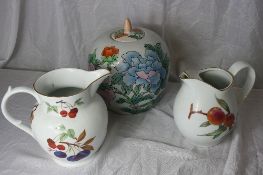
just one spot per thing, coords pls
(136, 81)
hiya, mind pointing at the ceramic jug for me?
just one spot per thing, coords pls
(206, 109)
(138, 60)
(70, 118)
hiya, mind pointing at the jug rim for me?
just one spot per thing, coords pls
(229, 74)
(69, 69)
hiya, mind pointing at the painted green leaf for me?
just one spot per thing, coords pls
(128, 110)
(116, 78)
(223, 104)
(61, 127)
(157, 91)
(205, 124)
(215, 136)
(55, 109)
(135, 111)
(49, 109)
(105, 86)
(63, 137)
(135, 36)
(47, 104)
(159, 51)
(163, 82)
(109, 59)
(125, 88)
(70, 149)
(92, 58)
(149, 47)
(147, 105)
(71, 133)
(120, 100)
(136, 89)
(148, 88)
(146, 97)
(78, 102)
(165, 62)
(216, 133)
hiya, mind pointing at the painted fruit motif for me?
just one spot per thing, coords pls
(66, 143)
(216, 116)
(65, 109)
(136, 82)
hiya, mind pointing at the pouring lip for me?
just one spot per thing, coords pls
(70, 69)
(219, 69)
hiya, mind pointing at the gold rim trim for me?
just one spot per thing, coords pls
(34, 87)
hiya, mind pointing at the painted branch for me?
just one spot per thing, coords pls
(67, 143)
(194, 112)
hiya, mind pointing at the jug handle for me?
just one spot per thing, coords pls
(250, 80)
(11, 119)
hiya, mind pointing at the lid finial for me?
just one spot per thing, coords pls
(127, 26)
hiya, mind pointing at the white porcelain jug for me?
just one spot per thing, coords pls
(70, 120)
(205, 109)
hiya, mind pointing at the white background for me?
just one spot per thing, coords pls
(49, 34)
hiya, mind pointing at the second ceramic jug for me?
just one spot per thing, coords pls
(206, 110)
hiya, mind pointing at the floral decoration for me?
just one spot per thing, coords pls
(109, 55)
(137, 80)
(135, 33)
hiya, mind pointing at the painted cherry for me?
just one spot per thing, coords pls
(75, 110)
(72, 114)
(229, 120)
(216, 116)
(63, 113)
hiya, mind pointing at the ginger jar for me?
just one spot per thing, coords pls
(138, 60)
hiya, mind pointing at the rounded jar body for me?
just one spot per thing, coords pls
(139, 65)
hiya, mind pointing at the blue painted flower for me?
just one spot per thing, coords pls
(142, 71)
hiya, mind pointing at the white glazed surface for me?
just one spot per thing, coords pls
(91, 118)
(203, 97)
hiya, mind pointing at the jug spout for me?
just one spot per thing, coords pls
(194, 84)
(97, 76)
(183, 76)
(186, 79)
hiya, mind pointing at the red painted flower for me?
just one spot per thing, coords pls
(110, 51)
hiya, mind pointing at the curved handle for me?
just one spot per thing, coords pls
(9, 93)
(250, 80)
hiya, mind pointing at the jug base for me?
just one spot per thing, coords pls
(75, 164)
(214, 143)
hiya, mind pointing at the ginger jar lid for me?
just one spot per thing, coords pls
(127, 34)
